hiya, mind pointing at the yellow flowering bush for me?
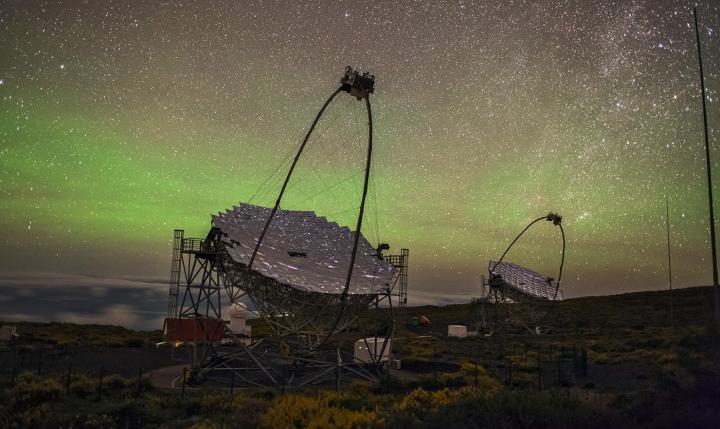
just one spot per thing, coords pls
(300, 411)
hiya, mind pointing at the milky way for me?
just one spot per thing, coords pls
(124, 120)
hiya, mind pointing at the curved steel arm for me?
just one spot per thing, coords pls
(343, 298)
(514, 241)
(557, 221)
(290, 172)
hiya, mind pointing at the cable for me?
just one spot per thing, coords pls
(287, 178)
(343, 180)
(327, 157)
(287, 156)
(513, 242)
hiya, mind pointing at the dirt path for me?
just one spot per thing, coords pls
(167, 377)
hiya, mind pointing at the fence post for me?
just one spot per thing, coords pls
(539, 370)
(560, 368)
(476, 375)
(139, 381)
(184, 378)
(510, 378)
(283, 379)
(232, 385)
(583, 361)
(12, 377)
(100, 380)
(40, 362)
(575, 360)
(337, 371)
(550, 350)
(67, 379)
(434, 364)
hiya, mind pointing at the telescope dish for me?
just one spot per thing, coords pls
(524, 281)
(302, 251)
(519, 297)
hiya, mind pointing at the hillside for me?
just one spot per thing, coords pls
(621, 361)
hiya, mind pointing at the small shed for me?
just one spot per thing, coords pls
(459, 331)
(238, 320)
(195, 329)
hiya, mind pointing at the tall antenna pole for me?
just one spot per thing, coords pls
(713, 246)
(667, 225)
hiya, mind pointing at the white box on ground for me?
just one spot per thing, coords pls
(395, 364)
(367, 347)
(457, 331)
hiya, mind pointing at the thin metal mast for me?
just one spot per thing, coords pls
(670, 278)
(713, 245)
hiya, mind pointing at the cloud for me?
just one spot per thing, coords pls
(119, 314)
(55, 280)
(137, 303)
(419, 297)
(21, 317)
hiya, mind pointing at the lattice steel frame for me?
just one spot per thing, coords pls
(290, 356)
(196, 285)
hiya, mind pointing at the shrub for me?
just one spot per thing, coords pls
(99, 421)
(82, 386)
(31, 390)
(115, 382)
(249, 409)
(668, 357)
(296, 411)
(598, 358)
(521, 410)
(130, 412)
(207, 424)
(419, 403)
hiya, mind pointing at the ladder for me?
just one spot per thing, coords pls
(175, 272)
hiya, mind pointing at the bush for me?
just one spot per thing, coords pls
(207, 424)
(115, 382)
(521, 410)
(296, 411)
(131, 412)
(92, 421)
(31, 390)
(487, 384)
(82, 386)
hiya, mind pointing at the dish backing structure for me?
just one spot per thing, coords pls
(305, 276)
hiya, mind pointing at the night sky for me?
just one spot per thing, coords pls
(122, 121)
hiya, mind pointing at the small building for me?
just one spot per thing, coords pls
(7, 333)
(369, 350)
(238, 324)
(193, 329)
(459, 331)
(238, 320)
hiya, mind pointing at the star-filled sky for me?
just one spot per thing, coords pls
(121, 121)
